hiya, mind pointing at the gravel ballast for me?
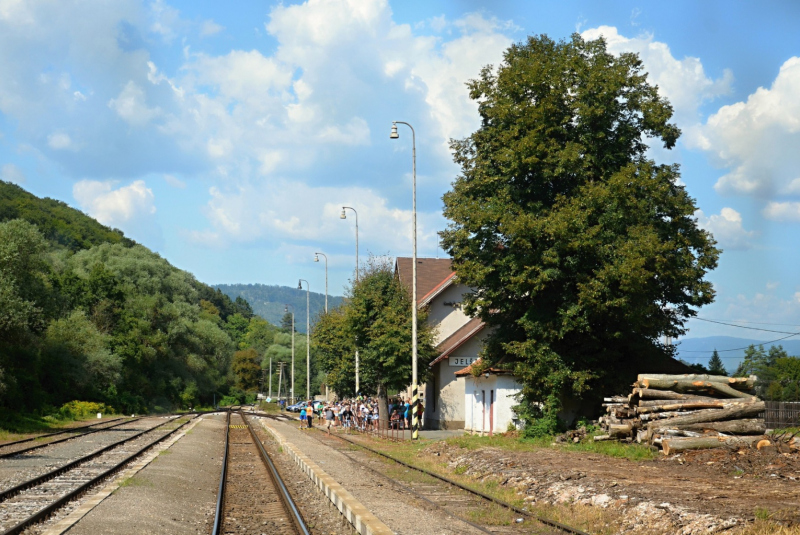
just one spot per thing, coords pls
(175, 494)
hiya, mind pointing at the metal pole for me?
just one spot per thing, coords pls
(270, 377)
(286, 309)
(356, 214)
(316, 259)
(414, 392)
(280, 377)
(308, 335)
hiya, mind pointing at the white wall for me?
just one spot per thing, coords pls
(477, 402)
(447, 319)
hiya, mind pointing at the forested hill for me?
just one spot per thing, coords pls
(87, 314)
(269, 302)
(56, 221)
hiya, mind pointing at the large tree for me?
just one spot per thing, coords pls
(580, 249)
(376, 319)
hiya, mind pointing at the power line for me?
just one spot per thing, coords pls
(750, 322)
(743, 326)
(738, 348)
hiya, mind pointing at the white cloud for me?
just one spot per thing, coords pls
(130, 105)
(11, 173)
(59, 141)
(758, 139)
(290, 211)
(782, 211)
(727, 228)
(683, 82)
(114, 207)
(210, 27)
(174, 181)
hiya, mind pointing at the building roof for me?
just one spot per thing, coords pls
(431, 272)
(458, 338)
(468, 370)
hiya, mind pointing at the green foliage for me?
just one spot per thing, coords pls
(246, 369)
(375, 319)
(270, 302)
(778, 373)
(581, 251)
(715, 366)
(57, 222)
(541, 419)
(81, 410)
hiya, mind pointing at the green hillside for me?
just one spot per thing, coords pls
(87, 314)
(56, 221)
(269, 301)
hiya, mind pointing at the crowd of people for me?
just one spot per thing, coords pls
(358, 413)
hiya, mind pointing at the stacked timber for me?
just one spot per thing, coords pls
(682, 412)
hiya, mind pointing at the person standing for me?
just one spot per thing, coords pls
(310, 413)
(329, 417)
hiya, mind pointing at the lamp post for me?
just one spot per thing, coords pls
(316, 259)
(414, 393)
(286, 309)
(308, 336)
(344, 216)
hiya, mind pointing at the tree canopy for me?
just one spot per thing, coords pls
(580, 249)
(375, 318)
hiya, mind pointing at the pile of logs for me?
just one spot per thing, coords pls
(684, 412)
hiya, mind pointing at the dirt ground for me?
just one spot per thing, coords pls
(690, 493)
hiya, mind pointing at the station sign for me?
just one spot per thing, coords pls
(461, 362)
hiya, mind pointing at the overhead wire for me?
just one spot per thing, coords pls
(789, 335)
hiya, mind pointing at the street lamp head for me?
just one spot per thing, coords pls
(300, 284)
(394, 134)
(286, 308)
(316, 257)
(343, 215)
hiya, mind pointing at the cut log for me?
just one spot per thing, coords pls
(654, 394)
(763, 444)
(741, 383)
(616, 399)
(686, 385)
(736, 412)
(666, 415)
(620, 430)
(677, 445)
(680, 407)
(748, 426)
(688, 401)
(600, 438)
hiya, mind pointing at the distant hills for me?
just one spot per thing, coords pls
(699, 350)
(269, 301)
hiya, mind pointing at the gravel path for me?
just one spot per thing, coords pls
(15, 470)
(394, 508)
(175, 494)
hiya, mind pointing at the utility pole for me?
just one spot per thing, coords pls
(270, 378)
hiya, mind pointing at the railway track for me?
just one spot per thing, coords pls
(453, 498)
(23, 446)
(32, 501)
(252, 497)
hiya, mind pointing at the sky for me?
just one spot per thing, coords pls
(228, 136)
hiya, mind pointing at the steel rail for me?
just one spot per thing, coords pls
(50, 509)
(60, 440)
(38, 480)
(543, 520)
(66, 430)
(294, 512)
(223, 477)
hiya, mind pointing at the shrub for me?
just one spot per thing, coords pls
(80, 410)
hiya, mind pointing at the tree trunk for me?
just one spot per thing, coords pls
(735, 412)
(741, 383)
(685, 385)
(677, 445)
(747, 426)
(649, 393)
(620, 431)
(383, 407)
(664, 407)
(693, 399)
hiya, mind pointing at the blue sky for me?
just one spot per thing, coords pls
(227, 136)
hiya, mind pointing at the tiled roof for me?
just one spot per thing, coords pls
(468, 370)
(458, 338)
(431, 272)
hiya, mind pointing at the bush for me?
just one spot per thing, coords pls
(542, 420)
(80, 410)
